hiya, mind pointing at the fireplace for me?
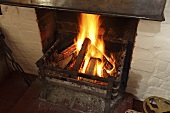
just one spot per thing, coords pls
(61, 64)
(58, 30)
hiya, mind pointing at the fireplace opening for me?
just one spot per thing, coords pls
(86, 53)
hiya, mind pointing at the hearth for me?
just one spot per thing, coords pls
(62, 64)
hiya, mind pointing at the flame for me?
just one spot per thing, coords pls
(89, 26)
(99, 69)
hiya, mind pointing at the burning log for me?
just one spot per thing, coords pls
(81, 54)
(92, 65)
(65, 58)
(70, 49)
(92, 68)
(107, 64)
(72, 62)
(65, 54)
(65, 62)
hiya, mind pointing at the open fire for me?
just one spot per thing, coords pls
(89, 61)
(95, 61)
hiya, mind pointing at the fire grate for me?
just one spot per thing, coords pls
(107, 88)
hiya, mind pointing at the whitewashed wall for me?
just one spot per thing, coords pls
(22, 35)
(149, 74)
(150, 69)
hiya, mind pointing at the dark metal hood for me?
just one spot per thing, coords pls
(144, 9)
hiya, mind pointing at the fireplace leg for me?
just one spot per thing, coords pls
(44, 81)
(44, 93)
(108, 95)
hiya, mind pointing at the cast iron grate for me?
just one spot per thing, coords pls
(110, 85)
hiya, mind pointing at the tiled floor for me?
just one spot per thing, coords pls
(11, 89)
(31, 103)
(16, 97)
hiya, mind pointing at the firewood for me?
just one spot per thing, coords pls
(65, 54)
(70, 49)
(81, 54)
(91, 66)
(107, 64)
(63, 63)
(105, 74)
(72, 62)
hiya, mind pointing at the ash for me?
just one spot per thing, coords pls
(79, 101)
(76, 100)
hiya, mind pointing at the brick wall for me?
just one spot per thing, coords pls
(150, 69)
(22, 35)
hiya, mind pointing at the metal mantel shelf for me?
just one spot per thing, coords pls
(143, 9)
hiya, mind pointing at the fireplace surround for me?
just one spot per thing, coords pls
(49, 46)
(119, 39)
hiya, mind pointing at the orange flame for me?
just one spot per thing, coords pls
(89, 27)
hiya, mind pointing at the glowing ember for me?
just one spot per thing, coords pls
(89, 27)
